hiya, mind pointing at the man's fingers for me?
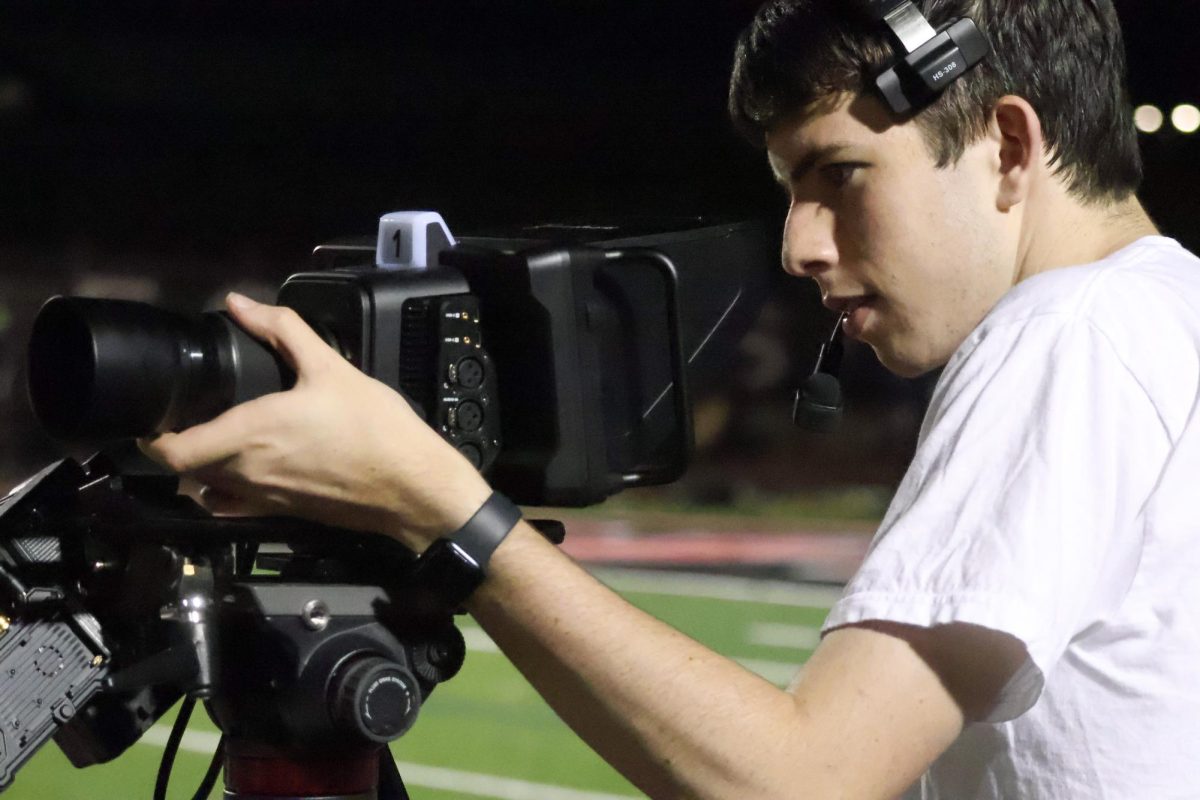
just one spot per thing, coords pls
(202, 445)
(161, 449)
(149, 445)
(283, 329)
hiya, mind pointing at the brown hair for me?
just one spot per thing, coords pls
(1066, 57)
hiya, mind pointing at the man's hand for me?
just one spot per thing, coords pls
(339, 448)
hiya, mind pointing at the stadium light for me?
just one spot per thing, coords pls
(1186, 118)
(1148, 119)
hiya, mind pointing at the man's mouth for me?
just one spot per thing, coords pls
(844, 305)
(856, 310)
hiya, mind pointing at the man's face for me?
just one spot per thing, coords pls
(914, 254)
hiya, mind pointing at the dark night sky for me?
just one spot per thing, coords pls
(203, 128)
(298, 121)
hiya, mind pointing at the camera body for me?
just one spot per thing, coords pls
(558, 362)
(554, 365)
(596, 336)
(419, 333)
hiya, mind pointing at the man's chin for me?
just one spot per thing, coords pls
(905, 365)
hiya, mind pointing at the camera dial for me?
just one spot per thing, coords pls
(375, 698)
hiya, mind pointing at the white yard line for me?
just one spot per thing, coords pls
(777, 634)
(719, 587)
(476, 784)
(193, 741)
(477, 640)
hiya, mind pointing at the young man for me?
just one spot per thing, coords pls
(1025, 623)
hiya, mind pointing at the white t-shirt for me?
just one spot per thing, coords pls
(1055, 496)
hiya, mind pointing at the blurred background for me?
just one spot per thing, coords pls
(173, 151)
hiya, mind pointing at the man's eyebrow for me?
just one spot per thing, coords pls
(809, 160)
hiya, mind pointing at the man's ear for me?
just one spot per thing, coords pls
(1016, 128)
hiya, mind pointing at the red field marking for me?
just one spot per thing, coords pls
(833, 555)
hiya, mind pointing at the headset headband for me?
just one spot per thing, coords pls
(907, 22)
(931, 59)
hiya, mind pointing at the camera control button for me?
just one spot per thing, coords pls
(440, 658)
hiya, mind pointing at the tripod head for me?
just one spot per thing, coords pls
(121, 596)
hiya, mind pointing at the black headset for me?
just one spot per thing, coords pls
(928, 60)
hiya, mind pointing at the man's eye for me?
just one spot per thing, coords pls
(840, 174)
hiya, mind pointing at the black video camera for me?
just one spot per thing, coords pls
(557, 361)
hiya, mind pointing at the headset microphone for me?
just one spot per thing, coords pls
(818, 403)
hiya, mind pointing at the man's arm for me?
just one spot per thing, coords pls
(865, 717)
(873, 707)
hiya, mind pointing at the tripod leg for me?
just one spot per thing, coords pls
(391, 787)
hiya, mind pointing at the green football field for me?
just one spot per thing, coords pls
(485, 734)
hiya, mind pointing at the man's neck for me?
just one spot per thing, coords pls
(1072, 233)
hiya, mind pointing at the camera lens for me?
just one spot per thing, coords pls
(110, 369)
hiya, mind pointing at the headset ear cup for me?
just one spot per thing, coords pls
(892, 92)
(970, 40)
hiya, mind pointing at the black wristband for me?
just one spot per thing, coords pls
(486, 529)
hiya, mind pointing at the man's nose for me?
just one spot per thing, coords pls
(808, 241)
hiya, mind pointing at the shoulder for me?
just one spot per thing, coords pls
(1130, 316)
(1150, 276)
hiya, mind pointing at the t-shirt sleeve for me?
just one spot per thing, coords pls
(1019, 511)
